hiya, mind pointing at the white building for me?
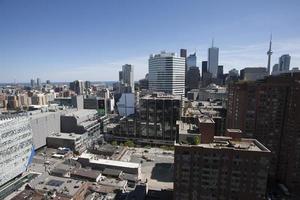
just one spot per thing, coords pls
(213, 61)
(167, 73)
(16, 146)
(126, 104)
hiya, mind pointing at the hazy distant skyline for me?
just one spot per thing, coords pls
(91, 40)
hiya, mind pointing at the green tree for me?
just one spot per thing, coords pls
(129, 143)
(114, 143)
(196, 140)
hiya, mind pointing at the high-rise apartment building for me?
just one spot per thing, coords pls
(16, 146)
(167, 73)
(220, 167)
(213, 61)
(269, 111)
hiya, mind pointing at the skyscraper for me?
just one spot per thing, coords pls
(275, 68)
(191, 61)
(126, 78)
(32, 83)
(284, 63)
(192, 78)
(38, 82)
(206, 76)
(167, 73)
(213, 60)
(183, 53)
(204, 66)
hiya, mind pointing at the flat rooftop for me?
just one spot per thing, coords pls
(67, 136)
(115, 163)
(38, 113)
(81, 112)
(222, 142)
(161, 96)
(47, 182)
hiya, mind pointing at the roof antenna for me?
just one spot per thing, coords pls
(212, 42)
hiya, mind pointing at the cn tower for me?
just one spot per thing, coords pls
(269, 53)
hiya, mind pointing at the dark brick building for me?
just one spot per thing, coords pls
(221, 168)
(269, 111)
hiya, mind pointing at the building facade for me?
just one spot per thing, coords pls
(227, 167)
(284, 63)
(126, 78)
(268, 110)
(16, 146)
(192, 78)
(213, 61)
(158, 116)
(191, 61)
(221, 168)
(253, 73)
(167, 73)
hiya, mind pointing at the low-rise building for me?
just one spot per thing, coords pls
(80, 122)
(90, 160)
(75, 142)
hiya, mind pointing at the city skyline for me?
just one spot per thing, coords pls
(37, 45)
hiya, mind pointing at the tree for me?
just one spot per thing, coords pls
(129, 143)
(196, 140)
(114, 143)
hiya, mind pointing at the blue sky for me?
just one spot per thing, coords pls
(64, 40)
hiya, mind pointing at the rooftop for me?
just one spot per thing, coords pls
(87, 173)
(65, 186)
(163, 54)
(81, 112)
(161, 95)
(67, 136)
(222, 142)
(92, 158)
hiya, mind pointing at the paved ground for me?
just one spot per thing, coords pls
(159, 171)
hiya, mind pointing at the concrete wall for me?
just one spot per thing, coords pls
(43, 125)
